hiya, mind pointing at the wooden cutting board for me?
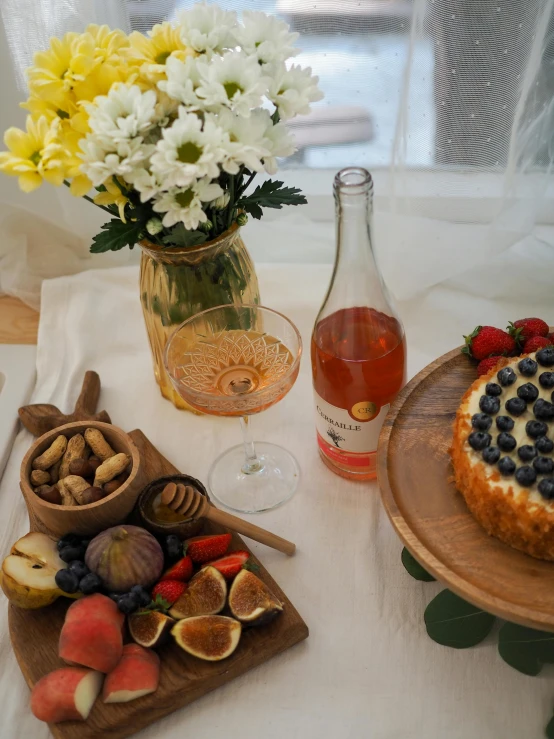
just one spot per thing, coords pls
(431, 517)
(183, 678)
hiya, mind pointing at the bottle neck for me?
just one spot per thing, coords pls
(353, 231)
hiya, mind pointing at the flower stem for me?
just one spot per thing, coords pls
(86, 197)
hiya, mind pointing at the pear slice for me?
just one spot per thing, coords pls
(208, 637)
(205, 595)
(150, 628)
(28, 572)
(251, 601)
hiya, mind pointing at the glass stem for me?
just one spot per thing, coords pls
(251, 462)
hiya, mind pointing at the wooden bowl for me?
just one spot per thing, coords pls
(94, 517)
(183, 529)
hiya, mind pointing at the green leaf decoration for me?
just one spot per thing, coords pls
(549, 730)
(453, 622)
(115, 235)
(252, 209)
(524, 649)
(413, 568)
(180, 236)
(270, 194)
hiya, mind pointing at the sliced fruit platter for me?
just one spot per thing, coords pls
(115, 630)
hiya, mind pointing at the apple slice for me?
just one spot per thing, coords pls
(67, 694)
(137, 674)
(28, 572)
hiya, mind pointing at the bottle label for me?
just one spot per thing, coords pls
(356, 430)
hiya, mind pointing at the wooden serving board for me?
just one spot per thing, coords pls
(431, 517)
(183, 678)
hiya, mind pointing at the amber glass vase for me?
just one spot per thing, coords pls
(176, 283)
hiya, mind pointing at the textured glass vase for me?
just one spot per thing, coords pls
(176, 283)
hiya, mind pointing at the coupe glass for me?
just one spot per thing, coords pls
(238, 360)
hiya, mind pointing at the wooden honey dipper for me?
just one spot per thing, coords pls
(191, 504)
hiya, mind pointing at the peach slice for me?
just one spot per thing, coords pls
(137, 674)
(95, 606)
(67, 694)
(208, 637)
(205, 595)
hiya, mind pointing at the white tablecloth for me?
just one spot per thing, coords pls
(368, 668)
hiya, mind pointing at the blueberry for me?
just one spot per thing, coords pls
(79, 568)
(142, 595)
(545, 357)
(528, 367)
(479, 440)
(69, 540)
(546, 380)
(493, 389)
(546, 488)
(535, 429)
(90, 583)
(489, 405)
(528, 392)
(481, 421)
(516, 406)
(543, 465)
(85, 543)
(507, 466)
(115, 597)
(67, 581)
(173, 547)
(543, 410)
(526, 475)
(544, 445)
(69, 554)
(127, 603)
(526, 452)
(506, 442)
(506, 376)
(491, 454)
(504, 423)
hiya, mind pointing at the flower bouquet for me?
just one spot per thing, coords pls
(170, 129)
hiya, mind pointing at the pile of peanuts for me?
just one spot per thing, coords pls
(78, 471)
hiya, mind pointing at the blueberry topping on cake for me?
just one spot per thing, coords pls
(504, 423)
(544, 445)
(493, 389)
(528, 367)
(489, 405)
(545, 357)
(481, 421)
(534, 429)
(546, 488)
(491, 454)
(543, 465)
(506, 376)
(526, 475)
(543, 410)
(507, 466)
(526, 452)
(546, 380)
(478, 440)
(506, 442)
(516, 406)
(528, 392)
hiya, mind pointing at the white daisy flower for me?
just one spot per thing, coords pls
(265, 37)
(292, 90)
(188, 150)
(207, 28)
(234, 80)
(280, 143)
(247, 139)
(182, 81)
(121, 159)
(144, 182)
(124, 113)
(184, 204)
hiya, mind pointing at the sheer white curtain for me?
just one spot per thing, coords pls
(448, 102)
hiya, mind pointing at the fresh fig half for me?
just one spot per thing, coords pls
(251, 601)
(205, 595)
(208, 637)
(150, 628)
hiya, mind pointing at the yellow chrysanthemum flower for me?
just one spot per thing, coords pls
(150, 53)
(80, 183)
(113, 195)
(34, 155)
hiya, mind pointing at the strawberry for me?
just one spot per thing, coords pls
(527, 328)
(231, 564)
(485, 365)
(486, 341)
(535, 343)
(169, 590)
(181, 570)
(203, 548)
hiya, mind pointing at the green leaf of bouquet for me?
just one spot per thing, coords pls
(524, 649)
(115, 235)
(549, 730)
(413, 568)
(253, 209)
(272, 194)
(453, 622)
(180, 236)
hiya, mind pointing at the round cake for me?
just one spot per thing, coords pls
(502, 452)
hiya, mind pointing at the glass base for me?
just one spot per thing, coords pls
(271, 485)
